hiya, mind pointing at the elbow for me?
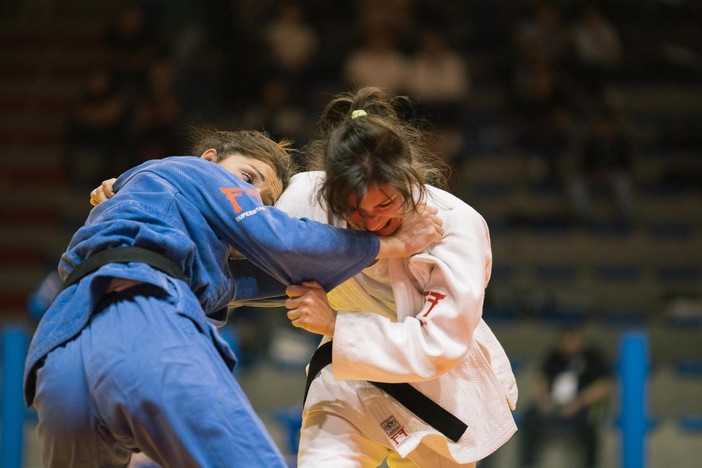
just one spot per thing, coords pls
(446, 365)
(443, 359)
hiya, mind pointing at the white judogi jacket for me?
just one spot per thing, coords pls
(434, 338)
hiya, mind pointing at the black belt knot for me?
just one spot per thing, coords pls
(428, 410)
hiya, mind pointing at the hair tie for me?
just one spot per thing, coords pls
(358, 113)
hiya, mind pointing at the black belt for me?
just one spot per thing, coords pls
(411, 398)
(124, 255)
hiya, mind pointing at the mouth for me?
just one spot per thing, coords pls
(385, 230)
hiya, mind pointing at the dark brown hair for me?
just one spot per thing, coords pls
(249, 143)
(372, 147)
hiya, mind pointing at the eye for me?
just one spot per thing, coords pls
(246, 177)
(388, 203)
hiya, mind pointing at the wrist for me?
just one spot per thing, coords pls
(390, 247)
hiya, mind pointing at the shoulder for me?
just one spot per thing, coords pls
(191, 169)
(451, 208)
(191, 163)
(302, 186)
(441, 198)
(179, 164)
(185, 174)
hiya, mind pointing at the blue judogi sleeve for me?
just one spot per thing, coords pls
(255, 287)
(289, 249)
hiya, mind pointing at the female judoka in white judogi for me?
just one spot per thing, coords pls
(416, 375)
(415, 320)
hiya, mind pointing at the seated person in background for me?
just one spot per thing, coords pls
(571, 392)
(605, 164)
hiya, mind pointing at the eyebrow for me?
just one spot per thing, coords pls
(260, 174)
(364, 213)
(388, 198)
(386, 201)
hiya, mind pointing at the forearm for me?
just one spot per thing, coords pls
(595, 392)
(391, 247)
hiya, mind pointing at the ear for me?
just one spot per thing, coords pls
(210, 155)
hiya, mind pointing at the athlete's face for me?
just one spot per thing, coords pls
(257, 173)
(380, 211)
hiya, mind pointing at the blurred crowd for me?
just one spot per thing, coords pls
(273, 65)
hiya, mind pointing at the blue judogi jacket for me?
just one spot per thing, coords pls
(192, 210)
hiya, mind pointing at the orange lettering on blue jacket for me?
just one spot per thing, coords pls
(232, 193)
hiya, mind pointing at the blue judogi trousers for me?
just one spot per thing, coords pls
(140, 374)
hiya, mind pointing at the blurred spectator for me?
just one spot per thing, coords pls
(438, 77)
(544, 110)
(96, 129)
(277, 114)
(156, 127)
(395, 17)
(378, 62)
(598, 49)
(541, 38)
(206, 60)
(129, 106)
(542, 97)
(131, 41)
(571, 395)
(292, 43)
(604, 165)
(438, 80)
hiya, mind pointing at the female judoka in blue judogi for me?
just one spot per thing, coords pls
(126, 358)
